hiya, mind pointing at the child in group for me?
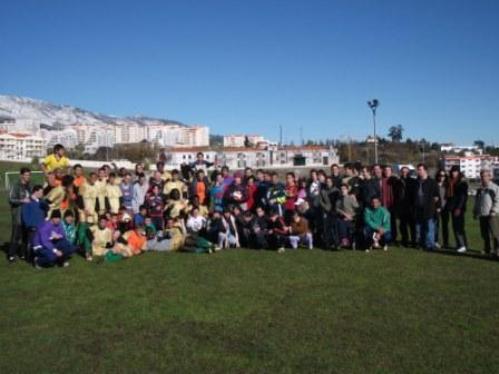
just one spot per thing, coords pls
(102, 238)
(231, 235)
(136, 241)
(155, 206)
(113, 194)
(69, 226)
(89, 194)
(101, 187)
(300, 232)
(176, 205)
(140, 217)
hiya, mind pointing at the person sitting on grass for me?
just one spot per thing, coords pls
(101, 238)
(278, 231)
(140, 217)
(377, 225)
(50, 244)
(136, 241)
(69, 226)
(299, 232)
(230, 235)
(196, 229)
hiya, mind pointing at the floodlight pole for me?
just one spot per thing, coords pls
(373, 104)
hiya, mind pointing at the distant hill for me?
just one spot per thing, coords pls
(34, 112)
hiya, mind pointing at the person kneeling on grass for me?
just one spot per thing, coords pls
(300, 232)
(196, 230)
(50, 244)
(278, 231)
(106, 243)
(377, 225)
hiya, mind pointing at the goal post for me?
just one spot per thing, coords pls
(11, 177)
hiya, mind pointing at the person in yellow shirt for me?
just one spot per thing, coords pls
(54, 192)
(101, 186)
(113, 194)
(165, 174)
(176, 206)
(88, 192)
(102, 237)
(56, 160)
(175, 183)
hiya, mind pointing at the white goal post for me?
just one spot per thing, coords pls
(11, 176)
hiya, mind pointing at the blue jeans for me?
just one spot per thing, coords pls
(47, 257)
(425, 233)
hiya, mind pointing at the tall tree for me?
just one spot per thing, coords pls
(479, 143)
(396, 133)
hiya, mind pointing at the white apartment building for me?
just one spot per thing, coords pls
(67, 137)
(18, 146)
(240, 158)
(468, 149)
(239, 140)
(470, 166)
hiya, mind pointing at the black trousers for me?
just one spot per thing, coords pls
(407, 226)
(459, 230)
(442, 222)
(17, 240)
(489, 229)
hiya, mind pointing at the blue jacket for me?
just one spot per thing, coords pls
(33, 213)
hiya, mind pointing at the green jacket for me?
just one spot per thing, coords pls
(376, 218)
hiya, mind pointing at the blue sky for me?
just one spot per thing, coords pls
(250, 66)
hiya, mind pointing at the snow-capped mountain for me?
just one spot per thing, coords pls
(32, 113)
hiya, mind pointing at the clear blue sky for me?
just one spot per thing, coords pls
(252, 65)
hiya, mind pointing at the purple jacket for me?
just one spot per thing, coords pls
(45, 233)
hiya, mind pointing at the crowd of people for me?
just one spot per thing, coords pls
(113, 213)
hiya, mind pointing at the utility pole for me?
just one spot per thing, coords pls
(374, 104)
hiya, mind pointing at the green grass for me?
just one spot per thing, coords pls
(251, 311)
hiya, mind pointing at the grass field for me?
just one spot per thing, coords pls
(253, 311)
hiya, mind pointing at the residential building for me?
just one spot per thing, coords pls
(470, 166)
(17, 146)
(240, 140)
(240, 158)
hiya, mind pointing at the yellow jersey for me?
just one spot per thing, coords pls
(52, 162)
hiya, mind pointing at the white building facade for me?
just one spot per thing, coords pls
(240, 158)
(19, 146)
(470, 166)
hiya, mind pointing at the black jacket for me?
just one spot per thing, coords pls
(426, 208)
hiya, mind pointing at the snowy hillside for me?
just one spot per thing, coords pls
(35, 112)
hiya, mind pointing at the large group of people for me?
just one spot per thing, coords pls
(113, 213)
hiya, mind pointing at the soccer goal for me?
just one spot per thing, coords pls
(11, 177)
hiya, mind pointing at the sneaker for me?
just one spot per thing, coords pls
(461, 250)
(35, 264)
(385, 248)
(437, 246)
(11, 259)
(368, 250)
(281, 250)
(65, 264)
(217, 249)
(89, 258)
